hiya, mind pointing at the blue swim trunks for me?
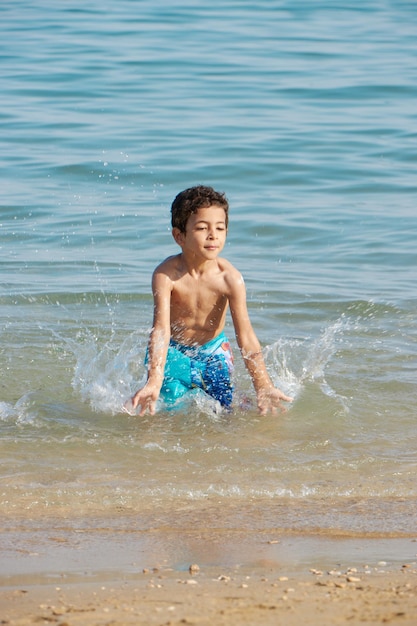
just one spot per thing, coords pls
(208, 367)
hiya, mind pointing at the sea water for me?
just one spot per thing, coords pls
(305, 115)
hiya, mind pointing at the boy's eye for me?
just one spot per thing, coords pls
(219, 228)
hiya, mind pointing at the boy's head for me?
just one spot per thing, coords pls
(190, 200)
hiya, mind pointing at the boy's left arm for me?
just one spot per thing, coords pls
(268, 396)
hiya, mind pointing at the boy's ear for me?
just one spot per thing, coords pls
(178, 236)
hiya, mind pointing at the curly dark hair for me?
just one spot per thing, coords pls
(190, 200)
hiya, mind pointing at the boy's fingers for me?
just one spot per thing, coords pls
(147, 405)
(143, 407)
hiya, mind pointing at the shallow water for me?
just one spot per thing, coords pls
(305, 116)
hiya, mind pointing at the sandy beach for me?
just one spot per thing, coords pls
(163, 577)
(224, 597)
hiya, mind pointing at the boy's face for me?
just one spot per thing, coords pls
(205, 233)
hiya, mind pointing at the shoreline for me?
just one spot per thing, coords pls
(73, 554)
(120, 570)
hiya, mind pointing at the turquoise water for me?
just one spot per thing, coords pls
(304, 114)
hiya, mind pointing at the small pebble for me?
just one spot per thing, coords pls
(316, 572)
(59, 611)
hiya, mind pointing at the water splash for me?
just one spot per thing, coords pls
(107, 371)
(297, 362)
(21, 413)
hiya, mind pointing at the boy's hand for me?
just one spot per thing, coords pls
(145, 398)
(270, 399)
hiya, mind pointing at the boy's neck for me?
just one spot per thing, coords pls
(194, 266)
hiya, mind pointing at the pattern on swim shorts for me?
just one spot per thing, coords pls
(208, 367)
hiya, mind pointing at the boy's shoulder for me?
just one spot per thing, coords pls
(171, 267)
(169, 262)
(226, 266)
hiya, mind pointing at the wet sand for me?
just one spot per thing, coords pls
(73, 576)
(222, 597)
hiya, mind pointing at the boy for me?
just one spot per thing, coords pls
(192, 291)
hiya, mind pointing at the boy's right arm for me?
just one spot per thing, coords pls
(147, 396)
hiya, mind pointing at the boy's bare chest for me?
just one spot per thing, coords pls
(196, 296)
